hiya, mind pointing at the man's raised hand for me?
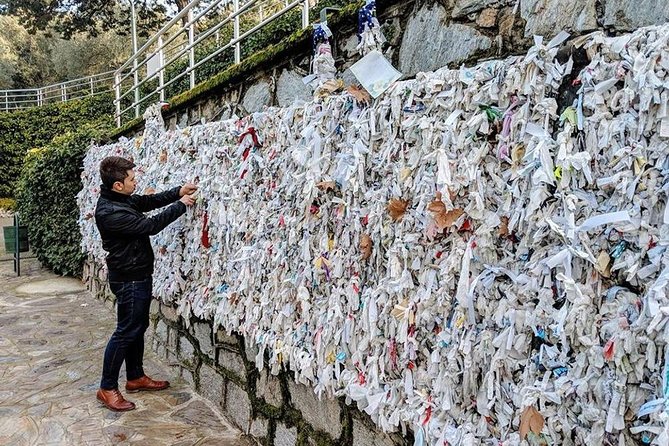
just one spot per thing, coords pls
(188, 200)
(187, 189)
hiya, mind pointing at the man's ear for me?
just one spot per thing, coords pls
(117, 186)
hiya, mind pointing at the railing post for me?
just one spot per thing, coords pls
(38, 92)
(161, 71)
(133, 25)
(238, 45)
(191, 53)
(305, 14)
(92, 88)
(6, 101)
(63, 93)
(117, 101)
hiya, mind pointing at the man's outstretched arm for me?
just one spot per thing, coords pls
(146, 203)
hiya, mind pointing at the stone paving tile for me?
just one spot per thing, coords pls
(51, 344)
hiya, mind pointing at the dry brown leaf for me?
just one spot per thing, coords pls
(531, 420)
(397, 207)
(604, 264)
(517, 153)
(163, 157)
(365, 246)
(326, 185)
(437, 206)
(359, 94)
(443, 218)
(504, 227)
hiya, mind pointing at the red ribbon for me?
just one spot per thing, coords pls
(205, 231)
(254, 136)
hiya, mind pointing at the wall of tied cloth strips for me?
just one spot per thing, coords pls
(460, 31)
(467, 258)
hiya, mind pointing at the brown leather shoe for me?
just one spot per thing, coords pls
(145, 383)
(114, 400)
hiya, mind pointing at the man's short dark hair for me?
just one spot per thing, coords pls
(113, 169)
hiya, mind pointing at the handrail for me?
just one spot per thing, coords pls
(18, 99)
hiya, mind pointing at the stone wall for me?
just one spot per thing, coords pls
(273, 410)
(424, 35)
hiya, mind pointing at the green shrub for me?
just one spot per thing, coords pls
(7, 204)
(23, 130)
(46, 197)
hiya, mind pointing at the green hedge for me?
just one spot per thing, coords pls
(46, 197)
(21, 131)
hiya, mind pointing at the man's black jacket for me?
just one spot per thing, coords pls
(125, 230)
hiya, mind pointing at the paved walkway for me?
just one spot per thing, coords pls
(52, 335)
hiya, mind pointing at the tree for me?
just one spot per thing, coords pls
(71, 17)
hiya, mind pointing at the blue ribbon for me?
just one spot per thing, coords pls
(366, 16)
(320, 36)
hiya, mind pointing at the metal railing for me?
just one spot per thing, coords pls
(62, 92)
(171, 55)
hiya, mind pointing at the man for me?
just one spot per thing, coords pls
(125, 235)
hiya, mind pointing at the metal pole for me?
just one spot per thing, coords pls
(63, 93)
(191, 54)
(305, 14)
(6, 102)
(161, 73)
(117, 93)
(238, 45)
(92, 88)
(134, 56)
(17, 248)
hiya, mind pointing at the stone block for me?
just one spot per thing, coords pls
(548, 17)
(258, 96)
(625, 15)
(447, 44)
(367, 436)
(250, 350)
(186, 351)
(349, 48)
(212, 385)
(161, 331)
(222, 337)
(202, 332)
(172, 338)
(290, 88)
(285, 436)
(187, 376)
(463, 8)
(155, 306)
(169, 312)
(209, 109)
(269, 388)
(238, 406)
(324, 415)
(259, 428)
(232, 361)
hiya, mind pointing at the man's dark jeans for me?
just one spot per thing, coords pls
(133, 300)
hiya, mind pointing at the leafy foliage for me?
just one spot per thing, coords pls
(7, 204)
(46, 197)
(71, 17)
(21, 131)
